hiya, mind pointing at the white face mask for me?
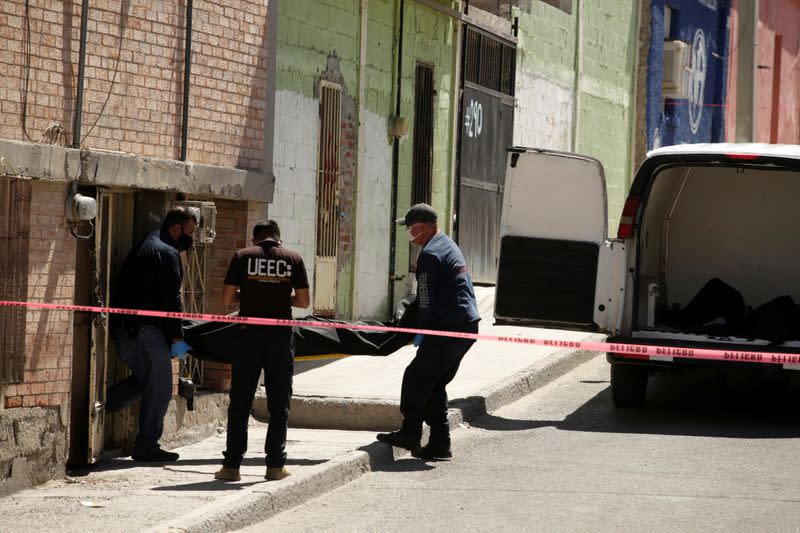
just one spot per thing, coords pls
(411, 235)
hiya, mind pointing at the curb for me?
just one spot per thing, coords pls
(260, 502)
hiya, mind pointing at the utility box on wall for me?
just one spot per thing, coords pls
(205, 232)
(675, 83)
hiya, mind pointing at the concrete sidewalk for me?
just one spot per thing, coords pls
(361, 392)
(353, 397)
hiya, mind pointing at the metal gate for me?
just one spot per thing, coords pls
(327, 200)
(487, 109)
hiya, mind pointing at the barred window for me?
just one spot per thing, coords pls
(489, 62)
(15, 203)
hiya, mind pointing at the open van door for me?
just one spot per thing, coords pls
(556, 266)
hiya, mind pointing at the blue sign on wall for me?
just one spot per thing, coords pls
(698, 115)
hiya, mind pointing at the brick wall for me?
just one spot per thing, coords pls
(134, 76)
(51, 279)
(346, 182)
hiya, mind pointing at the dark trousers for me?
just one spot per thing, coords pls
(423, 396)
(269, 349)
(146, 352)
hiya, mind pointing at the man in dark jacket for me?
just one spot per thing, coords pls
(151, 279)
(446, 302)
(267, 280)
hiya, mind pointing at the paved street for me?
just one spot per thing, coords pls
(703, 457)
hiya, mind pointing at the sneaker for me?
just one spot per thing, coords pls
(157, 456)
(276, 473)
(432, 452)
(400, 439)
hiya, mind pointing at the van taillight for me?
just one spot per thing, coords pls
(745, 157)
(628, 217)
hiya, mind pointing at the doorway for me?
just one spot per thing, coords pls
(99, 257)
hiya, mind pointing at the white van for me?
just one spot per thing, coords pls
(718, 216)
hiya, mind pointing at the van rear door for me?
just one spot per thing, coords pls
(556, 266)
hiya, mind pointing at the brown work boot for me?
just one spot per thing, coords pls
(276, 473)
(227, 474)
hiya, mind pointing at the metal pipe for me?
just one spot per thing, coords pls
(461, 78)
(268, 161)
(76, 119)
(187, 72)
(455, 130)
(395, 166)
(361, 151)
(576, 97)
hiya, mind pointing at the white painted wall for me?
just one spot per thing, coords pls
(295, 166)
(371, 276)
(543, 114)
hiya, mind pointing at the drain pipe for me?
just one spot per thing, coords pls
(268, 161)
(187, 72)
(76, 119)
(395, 167)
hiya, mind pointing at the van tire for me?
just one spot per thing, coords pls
(628, 385)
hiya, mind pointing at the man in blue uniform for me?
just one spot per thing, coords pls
(151, 279)
(446, 301)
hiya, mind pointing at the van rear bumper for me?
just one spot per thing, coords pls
(788, 357)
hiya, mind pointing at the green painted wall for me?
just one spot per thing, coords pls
(548, 48)
(308, 32)
(546, 42)
(428, 37)
(311, 30)
(606, 93)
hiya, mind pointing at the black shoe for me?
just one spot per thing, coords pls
(158, 456)
(432, 452)
(400, 439)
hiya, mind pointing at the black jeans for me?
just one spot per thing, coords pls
(423, 396)
(260, 348)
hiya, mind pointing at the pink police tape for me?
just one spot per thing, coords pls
(640, 351)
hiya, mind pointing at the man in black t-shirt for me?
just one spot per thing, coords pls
(270, 281)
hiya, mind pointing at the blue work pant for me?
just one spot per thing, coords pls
(146, 352)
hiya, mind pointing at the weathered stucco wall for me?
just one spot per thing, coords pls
(575, 93)
(545, 78)
(312, 38)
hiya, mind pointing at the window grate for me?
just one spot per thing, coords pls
(328, 165)
(422, 163)
(489, 63)
(422, 171)
(15, 202)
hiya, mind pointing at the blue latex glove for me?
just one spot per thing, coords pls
(418, 339)
(179, 349)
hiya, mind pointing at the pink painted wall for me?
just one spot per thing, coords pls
(778, 106)
(730, 104)
(776, 120)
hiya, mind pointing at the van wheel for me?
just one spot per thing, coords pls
(628, 385)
